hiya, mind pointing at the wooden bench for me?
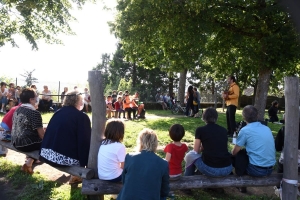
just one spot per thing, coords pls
(100, 187)
(85, 173)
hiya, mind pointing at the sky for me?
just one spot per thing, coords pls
(69, 63)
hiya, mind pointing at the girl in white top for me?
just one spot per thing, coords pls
(112, 152)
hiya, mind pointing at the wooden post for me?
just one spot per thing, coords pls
(98, 120)
(291, 90)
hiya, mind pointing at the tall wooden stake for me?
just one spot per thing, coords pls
(291, 90)
(98, 120)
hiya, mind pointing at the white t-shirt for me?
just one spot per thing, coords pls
(109, 158)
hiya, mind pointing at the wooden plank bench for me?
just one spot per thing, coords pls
(100, 187)
(85, 173)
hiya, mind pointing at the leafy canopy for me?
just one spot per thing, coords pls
(35, 19)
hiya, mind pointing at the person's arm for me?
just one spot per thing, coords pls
(235, 150)
(197, 146)
(41, 132)
(235, 92)
(122, 165)
(168, 157)
(84, 138)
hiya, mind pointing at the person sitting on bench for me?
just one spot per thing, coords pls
(27, 131)
(145, 174)
(129, 106)
(46, 99)
(258, 157)
(212, 142)
(68, 136)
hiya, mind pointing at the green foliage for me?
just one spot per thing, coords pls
(6, 79)
(41, 19)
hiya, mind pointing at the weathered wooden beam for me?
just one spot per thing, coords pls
(96, 186)
(290, 162)
(85, 173)
(98, 121)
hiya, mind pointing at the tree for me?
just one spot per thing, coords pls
(42, 19)
(29, 79)
(242, 38)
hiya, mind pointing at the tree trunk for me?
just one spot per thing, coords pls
(290, 162)
(181, 89)
(262, 92)
(171, 83)
(98, 121)
(134, 75)
(254, 92)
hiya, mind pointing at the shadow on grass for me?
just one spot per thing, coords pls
(19, 185)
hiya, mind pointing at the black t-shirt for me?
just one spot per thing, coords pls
(214, 141)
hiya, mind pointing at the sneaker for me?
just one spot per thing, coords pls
(7, 138)
(51, 109)
(1, 110)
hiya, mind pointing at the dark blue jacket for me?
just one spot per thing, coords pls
(145, 176)
(68, 133)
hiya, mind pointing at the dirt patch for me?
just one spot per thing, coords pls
(44, 169)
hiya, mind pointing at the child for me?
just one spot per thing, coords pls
(119, 108)
(175, 151)
(109, 107)
(112, 152)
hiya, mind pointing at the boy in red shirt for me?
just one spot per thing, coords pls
(175, 151)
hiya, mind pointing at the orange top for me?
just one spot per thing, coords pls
(233, 95)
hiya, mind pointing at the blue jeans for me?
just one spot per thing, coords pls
(207, 170)
(4, 100)
(253, 170)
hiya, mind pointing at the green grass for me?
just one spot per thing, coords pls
(22, 186)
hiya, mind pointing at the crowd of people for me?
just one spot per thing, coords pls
(209, 155)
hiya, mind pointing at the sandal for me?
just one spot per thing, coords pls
(25, 168)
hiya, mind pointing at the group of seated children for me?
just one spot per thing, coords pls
(123, 103)
(9, 96)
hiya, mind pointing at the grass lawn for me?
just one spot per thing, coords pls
(22, 186)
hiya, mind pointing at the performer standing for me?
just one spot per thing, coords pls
(231, 97)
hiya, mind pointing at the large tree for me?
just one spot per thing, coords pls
(35, 19)
(245, 38)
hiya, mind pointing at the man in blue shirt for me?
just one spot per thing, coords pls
(258, 142)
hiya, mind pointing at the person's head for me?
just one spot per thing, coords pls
(126, 96)
(66, 89)
(18, 87)
(210, 115)
(147, 140)
(126, 92)
(230, 79)
(109, 98)
(275, 103)
(3, 84)
(75, 87)
(190, 89)
(250, 114)
(28, 95)
(195, 89)
(120, 93)
(73, 99)
(136, 94)
(114, 131)
(86, 90)
(176, 132)
(114, 92)
(33, 86)
(11, 85)
(119, 99)
(45, 87)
